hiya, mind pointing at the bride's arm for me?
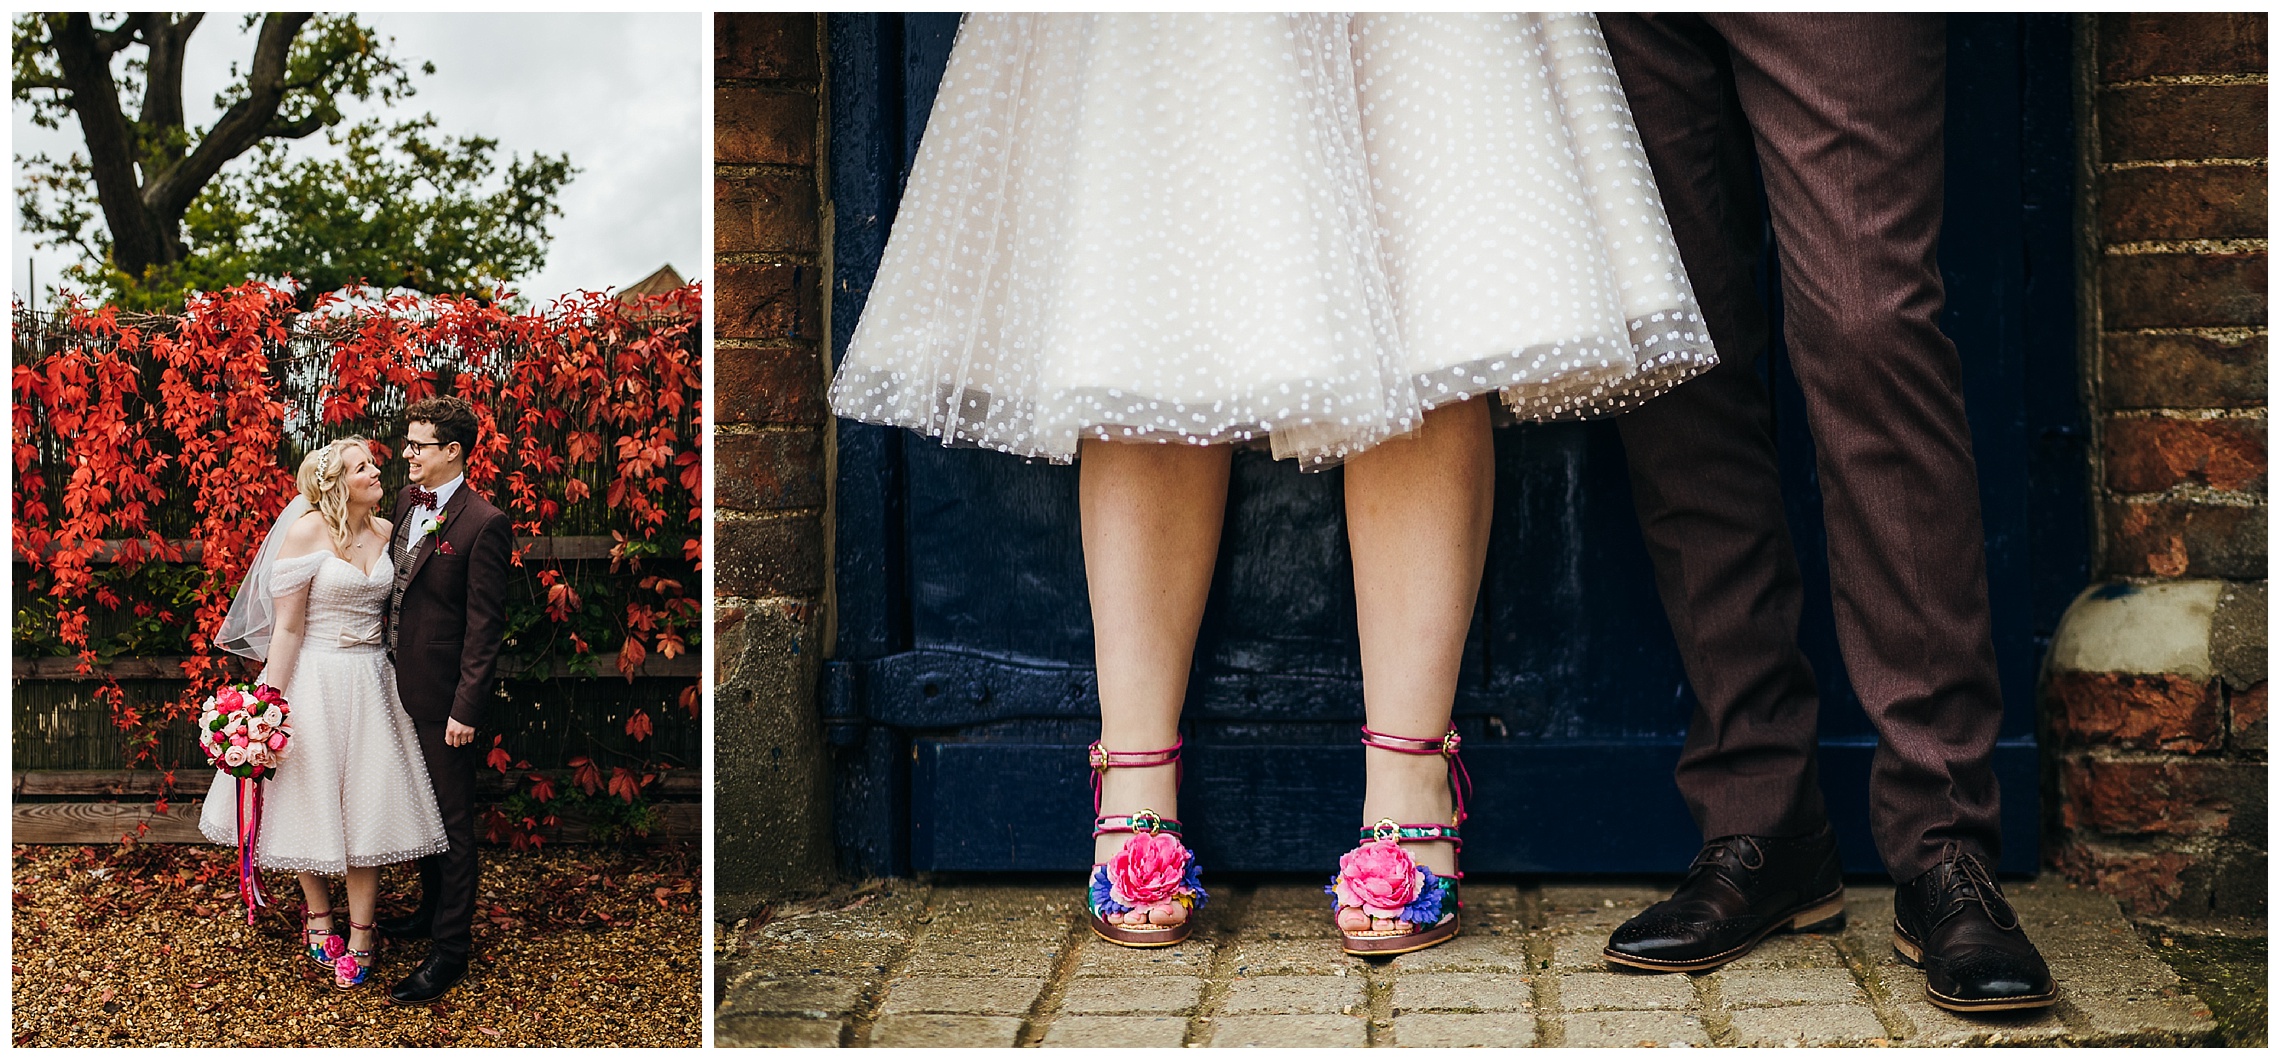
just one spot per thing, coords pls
(306, 537)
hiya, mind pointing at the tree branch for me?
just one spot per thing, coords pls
(293, 130)
(112, 42)
(162, 82)
(241, 127)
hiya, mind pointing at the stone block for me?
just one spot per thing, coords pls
(1470, 953)
(2124, 627)
(2161, 796)
(1116, 1032)
(1456, 1030)
(2180, 370)
(2211, 290)
(1626, 1030)
(2236, 635)
(2180, 538)
(776, 1032)
(1299, 957)
(1294, 994)
(1288, 1032)
(1099, 957)
(2148, 712)
(765, 213)
(1289, 922)
(2148, 454)
(2147, 881)
(2139, 45)
(756, 125)
(1789, 951)
(768, 469)
(770, 300)
(2182, 202)
(2246, 718)
(1773, 987)
(2182, 1020)
(767, 554)
(980, 954)
(773, 810)
(775, 46)
(809, 996)
(1580, 951)
(962, 996)
(1153, 994)
(1846, 1024)
(946, 1032)
(1929, 1025)
(1577, 907)
(1590, 991)
(1462, 992)
(2181, 121)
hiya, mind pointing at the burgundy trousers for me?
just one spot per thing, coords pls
(1844, 115)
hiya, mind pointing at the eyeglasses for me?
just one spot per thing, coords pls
(415, 448)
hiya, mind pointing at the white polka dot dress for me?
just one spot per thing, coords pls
(1208, 228)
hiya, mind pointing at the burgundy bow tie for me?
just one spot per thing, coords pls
(422, 498)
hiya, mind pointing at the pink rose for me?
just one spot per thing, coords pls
(238, 739)
(234, 757)
(269, 695)
(277, 740)
(230, 699)
(1148, 870)
(1379, 878)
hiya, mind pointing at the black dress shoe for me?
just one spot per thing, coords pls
(415, 926)
(1740, 889)
(1954, 923)
(434, 976)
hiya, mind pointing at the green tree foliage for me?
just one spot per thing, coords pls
(398, 207)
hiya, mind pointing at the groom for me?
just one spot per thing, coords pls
(1843, 114)
(446, 617)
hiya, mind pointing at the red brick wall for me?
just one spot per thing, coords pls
(2161, 777)
(771, 434)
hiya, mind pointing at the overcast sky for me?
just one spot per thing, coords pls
(620, 93)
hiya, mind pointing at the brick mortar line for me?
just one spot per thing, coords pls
(2216, 162)
(1897, 1026)
(1377, 1004)
(2218, 332)
(807, 345)
(808, 259)
(763, 169)
(856, 1033)
(2178, 80)
(1551, 1032)
(2151, 247)
(2192, 494)
(788, 85)
(1717, 1023)
(768, 515)
(741, 428)
(1035, 1023)
(1218, 978)
(2188, 413)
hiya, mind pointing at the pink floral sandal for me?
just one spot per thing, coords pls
(325, 944)
(352, 967)
(1380, 878)
(1153, 870)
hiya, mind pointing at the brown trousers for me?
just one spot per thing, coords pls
(1845, 115)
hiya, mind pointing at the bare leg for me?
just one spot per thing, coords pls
(316, 895)
(363, 905)
(1150, 516)
(1417, 515)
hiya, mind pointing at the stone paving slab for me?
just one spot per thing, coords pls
(1008, 962)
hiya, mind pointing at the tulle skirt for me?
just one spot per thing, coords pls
(1205, 228)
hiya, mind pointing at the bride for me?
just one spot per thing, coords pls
(352, 793)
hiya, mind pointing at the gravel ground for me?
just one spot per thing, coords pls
(139, 946)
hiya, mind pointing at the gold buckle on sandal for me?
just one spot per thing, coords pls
(1385, 829)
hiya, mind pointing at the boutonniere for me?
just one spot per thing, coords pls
(433, 524)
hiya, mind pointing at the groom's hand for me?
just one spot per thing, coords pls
(457, 735)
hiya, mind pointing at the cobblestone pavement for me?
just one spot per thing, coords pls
(998, 962)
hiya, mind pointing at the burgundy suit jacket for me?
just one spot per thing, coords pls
(450, 609)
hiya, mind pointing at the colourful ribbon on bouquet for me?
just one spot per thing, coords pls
(249, 831)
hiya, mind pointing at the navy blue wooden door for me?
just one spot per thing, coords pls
(960, 695)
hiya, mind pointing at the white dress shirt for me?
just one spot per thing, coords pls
(420, 514)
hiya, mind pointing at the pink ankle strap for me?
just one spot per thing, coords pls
(1103, 760)
(1446, 746)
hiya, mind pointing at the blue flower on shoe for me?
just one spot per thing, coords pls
(1425, 909)
(1103, 904)
(1193, 881)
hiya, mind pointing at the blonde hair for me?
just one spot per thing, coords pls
(321, 482)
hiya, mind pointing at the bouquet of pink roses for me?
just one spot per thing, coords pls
(244, 730)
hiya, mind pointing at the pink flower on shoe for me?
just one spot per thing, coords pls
(1378, 878)
(1148, 870)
